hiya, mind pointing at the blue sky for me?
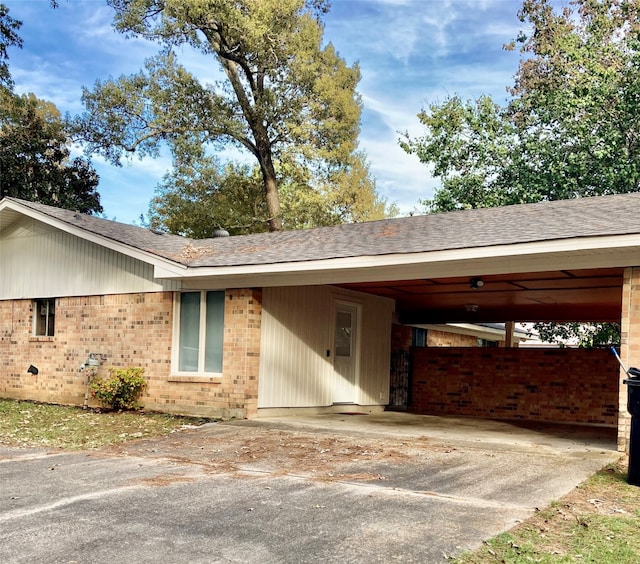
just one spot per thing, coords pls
(411, 53)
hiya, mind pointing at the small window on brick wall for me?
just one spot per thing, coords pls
(44, 317)
(418, 337)
(200, 332)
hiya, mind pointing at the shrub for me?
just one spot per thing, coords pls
(121, 390)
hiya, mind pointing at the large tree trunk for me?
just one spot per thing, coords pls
(273, 204)
(270, 184)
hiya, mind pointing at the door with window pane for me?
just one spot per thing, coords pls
(345, 358)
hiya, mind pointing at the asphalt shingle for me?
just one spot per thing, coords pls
(526, 223)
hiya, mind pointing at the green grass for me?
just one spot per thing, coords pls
(29, 424)
(599, 523)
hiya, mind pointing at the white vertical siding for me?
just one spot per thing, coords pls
(297, 331)
(375, 352)
(294, 369)
(40, 261)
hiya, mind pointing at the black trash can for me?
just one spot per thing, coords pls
(633, 407)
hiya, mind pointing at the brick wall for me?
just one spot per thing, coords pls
(437, 338)
(561, 385)
(400, 337)
(130, 330)
(629, 347)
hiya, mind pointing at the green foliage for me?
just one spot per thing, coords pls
(585, 335)
(285, 98)
(470, 145)
(200, 196)
(35, 161)
(35, 157)
(570, 128)
(8, 38)
(122, 390)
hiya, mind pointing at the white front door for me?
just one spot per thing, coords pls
(345, 358)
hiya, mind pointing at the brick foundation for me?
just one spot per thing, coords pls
(130, 330)
(559, 385)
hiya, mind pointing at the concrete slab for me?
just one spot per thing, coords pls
(458, 430)
(207, 495)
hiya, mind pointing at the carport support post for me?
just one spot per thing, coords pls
(509, 328)
(629, 347)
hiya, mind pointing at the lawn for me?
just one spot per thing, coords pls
(30, 424)
(598, 522)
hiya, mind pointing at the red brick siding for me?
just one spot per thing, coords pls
(561, 385)
(130, 330)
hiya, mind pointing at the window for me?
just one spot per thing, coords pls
(487, 343)
(200, 331)
(418, 337)
(344, 324)
(44, 317)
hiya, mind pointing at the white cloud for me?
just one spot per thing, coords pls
(411, 53)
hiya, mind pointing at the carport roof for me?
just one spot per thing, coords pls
(469, 229)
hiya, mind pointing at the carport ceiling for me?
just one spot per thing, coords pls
(561, 295)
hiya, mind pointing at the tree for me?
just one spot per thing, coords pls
(8, 38)
(584, 335)
(35, 160)
(285, 99)
(195, 199)
(470, 146)
(198, 197)
(570, 128)
(35, 157)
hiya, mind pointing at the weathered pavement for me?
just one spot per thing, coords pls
(278, 492)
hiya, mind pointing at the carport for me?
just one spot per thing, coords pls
(565, 261)
(558, 385)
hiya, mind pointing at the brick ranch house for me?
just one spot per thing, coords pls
(315, 320)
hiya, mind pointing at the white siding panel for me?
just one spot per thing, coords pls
(39, 261)
(294, 369)
(297, 331)
(375, 361)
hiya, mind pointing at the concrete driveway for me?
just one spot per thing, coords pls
(340, 488)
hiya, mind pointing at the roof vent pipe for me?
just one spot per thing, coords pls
(219, 233)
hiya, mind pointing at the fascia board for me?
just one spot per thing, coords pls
(594, 252)
(169, 268)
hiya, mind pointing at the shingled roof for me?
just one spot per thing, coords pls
(526, 223)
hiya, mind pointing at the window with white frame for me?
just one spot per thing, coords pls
(200, 331)
(44, 317)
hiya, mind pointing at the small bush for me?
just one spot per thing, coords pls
(121, 390)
